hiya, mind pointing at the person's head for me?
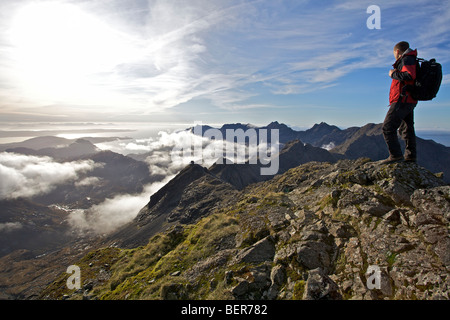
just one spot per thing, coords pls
(400, 48)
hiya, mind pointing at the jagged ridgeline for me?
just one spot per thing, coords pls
(309, 233)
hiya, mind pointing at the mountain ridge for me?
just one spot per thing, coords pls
(206, 191)
(310, 233)
(159, 213)
(353, 142)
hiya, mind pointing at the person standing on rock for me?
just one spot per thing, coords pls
(400, 115)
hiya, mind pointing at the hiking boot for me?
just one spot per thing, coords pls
(411, 160)
(392, 159)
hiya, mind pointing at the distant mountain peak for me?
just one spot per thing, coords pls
(323, 126)
(276, 124)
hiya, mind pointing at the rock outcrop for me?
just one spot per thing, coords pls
(353, 229)
(190, 195)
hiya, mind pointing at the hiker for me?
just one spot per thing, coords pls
(401, 106)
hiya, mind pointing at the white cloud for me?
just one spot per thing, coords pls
(10, 226)
(113, 212)
(27, 176)
(329, 146)
(445, 80)
(136, 147)
(158, 54)
(168, 154)
(89, 181)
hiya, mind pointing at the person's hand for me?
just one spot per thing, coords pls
(391, 72)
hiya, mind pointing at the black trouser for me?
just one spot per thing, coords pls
(400, 117)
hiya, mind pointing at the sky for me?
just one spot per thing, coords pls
(216, 61)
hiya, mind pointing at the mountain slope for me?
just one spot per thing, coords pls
(186, 198)
(293, 154)
(37, 143)
(310, 233)
(38, 228)
(238, 175)
(195, 190)
(78, 148)
(35, 238)
(52, 142)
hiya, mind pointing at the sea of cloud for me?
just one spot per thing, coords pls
(166, 154)
(24, 176)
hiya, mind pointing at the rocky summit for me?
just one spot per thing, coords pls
(351, 229)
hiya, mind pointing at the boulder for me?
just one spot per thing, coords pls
(320, 287)
(261, 251)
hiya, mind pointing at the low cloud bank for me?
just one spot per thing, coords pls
(165, 155)
(23, 176)
(329, 146)
(170, 152)
(10, 226)
(112, 213)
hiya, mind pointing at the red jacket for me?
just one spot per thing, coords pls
(404, 74)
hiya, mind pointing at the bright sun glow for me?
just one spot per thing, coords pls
(60, 49)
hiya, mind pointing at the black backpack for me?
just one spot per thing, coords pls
(428, 80)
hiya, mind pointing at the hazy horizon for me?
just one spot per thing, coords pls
(142, 130)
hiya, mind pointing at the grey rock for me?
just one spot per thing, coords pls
(173, 291)
(261, 277)
(228, 277)
(304, 216)
(313, 254)
(261, 251)
(277, 278)
(393, 216)
(219, 259)
(285, 253)
(241, 288)
(341, 230)
(320, 287)
(278, 275)
(277, 218)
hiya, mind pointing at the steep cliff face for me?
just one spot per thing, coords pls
(190, 195)
(314, 232)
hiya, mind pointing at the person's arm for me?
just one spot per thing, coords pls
(408, 71)
(401, 76)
